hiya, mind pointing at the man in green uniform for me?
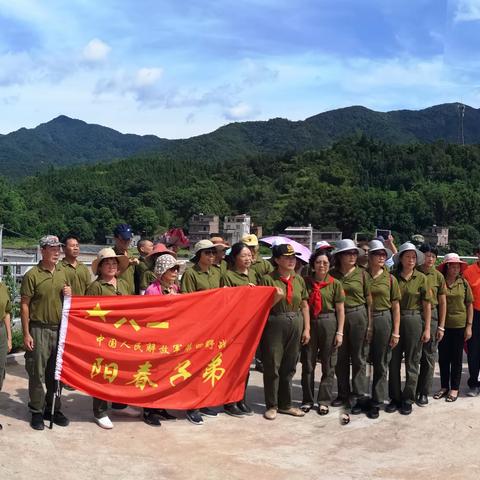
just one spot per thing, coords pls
(42, 291)
(436, 282)
(123, 238)
(144, 247)
(219, 264)
(77, 273)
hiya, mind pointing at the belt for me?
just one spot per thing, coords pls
(50, 326)
(326, 315)
(409, 312)
(354, 309)
(378, 313)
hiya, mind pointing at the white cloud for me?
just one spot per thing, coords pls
(96, 51)
(147, 77)
(240, 111)
(467, 11)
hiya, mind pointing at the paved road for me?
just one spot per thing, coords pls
(438, 441)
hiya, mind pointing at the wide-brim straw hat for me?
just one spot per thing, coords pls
(452, 258)
(407, 247)
(346, 245)
(104, 253)
(158, 249)
(376, 245)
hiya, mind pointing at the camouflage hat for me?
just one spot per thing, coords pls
(50, 241)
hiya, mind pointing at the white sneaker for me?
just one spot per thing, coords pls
(103, 422)
(126, 412)
(472, 392)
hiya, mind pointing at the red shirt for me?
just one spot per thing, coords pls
(472, 276)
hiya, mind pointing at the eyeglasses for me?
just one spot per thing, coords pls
(351, 252)
(379, 253)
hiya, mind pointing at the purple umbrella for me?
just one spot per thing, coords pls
(304, 253)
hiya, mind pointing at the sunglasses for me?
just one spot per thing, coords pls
(210, 252)
(351, 252)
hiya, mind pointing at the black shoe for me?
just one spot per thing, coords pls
(258, 366)
(208, 412)
(356, 409)
(338, 402)
(37, 421)
(406, 408)
(392, 407)
(373, 413)
(422, 400)
(58, 418)
(1, 426)
(152, 418)
(193, 416)
(245, 408)
(164, 415)
(232, 410)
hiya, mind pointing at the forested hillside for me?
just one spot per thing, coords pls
(65, 141)
(354, 185)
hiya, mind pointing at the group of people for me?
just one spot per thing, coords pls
(346, 309)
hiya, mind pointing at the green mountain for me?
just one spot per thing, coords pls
(65, 141)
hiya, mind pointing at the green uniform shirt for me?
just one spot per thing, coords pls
(78, 277)
(299, 292)
(44, 289)
(384, 290)
(140, 270)
(104, 289)
(436, 282)
(5, 304)
(148, 277)
(129, 276)
(355, 286)
(459, 295)
(194, 280)
(413, 291)
(331, 294)
(261, 267)
(231, 278)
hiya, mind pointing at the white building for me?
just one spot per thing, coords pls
(235, 227)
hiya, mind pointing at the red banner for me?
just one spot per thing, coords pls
(173, 351)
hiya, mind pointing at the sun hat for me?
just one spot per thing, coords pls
(164, 263)
(376, 245)
(250, 240)
(50, 241)
(346, 245)
(219, 242)
(452, 258)
(323, 245)
(158, 249)
(202, 245)
(405, 247)
(104, 253)
(284, 249)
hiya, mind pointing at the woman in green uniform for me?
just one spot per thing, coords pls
(458, 326)
(239, 274)
(436, 282)
(415, 315)
(107, 266)
(386, 321)
(327, 317)
(201, 276)
(287, 327)
(5, 331)
(357, 325)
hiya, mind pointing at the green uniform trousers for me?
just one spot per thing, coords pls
(427, 360)
(411, 329)
(280, 346)
(100, 407)
(3, 351)
(40, 366)
(322, 335)
(380, 353)
(354, 349)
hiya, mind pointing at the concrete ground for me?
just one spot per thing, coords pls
(438, 441)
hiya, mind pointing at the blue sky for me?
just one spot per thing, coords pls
(186, 67)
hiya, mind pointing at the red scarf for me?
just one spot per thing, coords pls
(315, 298)
(288, 283)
